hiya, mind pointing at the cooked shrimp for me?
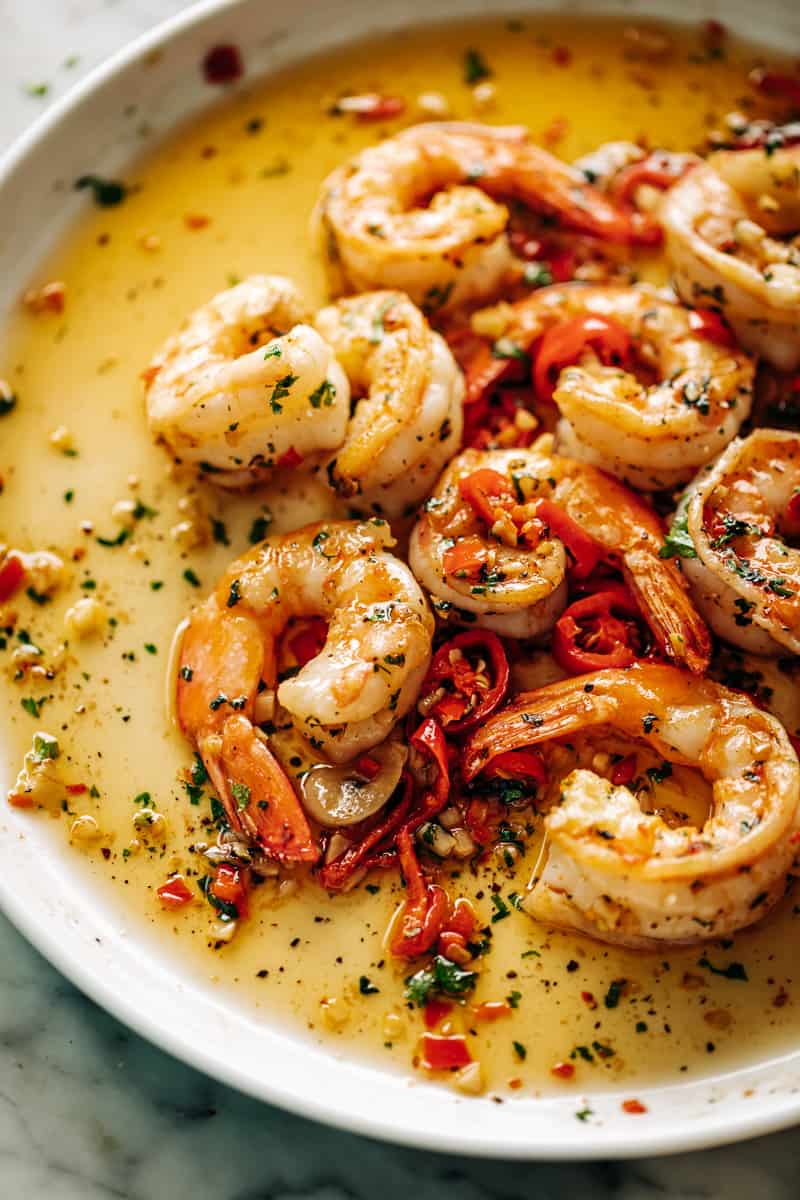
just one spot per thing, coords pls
(773, 683)
(495, 535)
(418, 212)
(407, 420)
(653, 429)
(728, 227)
(744, 577)
(343, 701)
(246, 385)
(628, 876)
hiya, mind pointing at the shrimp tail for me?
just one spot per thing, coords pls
(551, 712)
(680, 631)
(259, 799)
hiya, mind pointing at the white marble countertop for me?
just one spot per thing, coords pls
(90, 1111)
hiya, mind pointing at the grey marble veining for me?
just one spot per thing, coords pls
(89, 1111)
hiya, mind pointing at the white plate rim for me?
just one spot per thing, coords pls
(64, 945)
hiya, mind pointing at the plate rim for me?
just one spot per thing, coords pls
(590, 1141)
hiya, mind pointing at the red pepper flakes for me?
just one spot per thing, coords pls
(76, 789)
(563, 1070)
(492, 1010)
(223, 64)
(588, 999)
(435, 1011)
(515, 1083)
(561, 56)
(368, 766)
(196, 220)
(633, 1106)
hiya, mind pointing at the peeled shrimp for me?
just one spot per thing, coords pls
(655, 434)
(744, 577)
(626, 876)
(731, 229)
(246, 385)
(343, 701)
(518, 586)
(418, 212)
(407, 419)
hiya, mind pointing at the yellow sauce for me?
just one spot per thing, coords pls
(252, 168)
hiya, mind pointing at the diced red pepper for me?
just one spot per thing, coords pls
(488, 493)
(466, 558)
(444, 1052)
(634, 1106)
(307, 643)
(231, 885)
(566, 342)
(12, 575)
(76, 789)
(563, 1070)
(600, 630)
(585, 552)
(174, 893)
(368, 766)
(435, 1012)
(492, 1010)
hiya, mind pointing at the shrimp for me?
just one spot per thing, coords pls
(343, 701)
(493, 540)
(731, 229)
(633, 877)
(743, 575)
(653, 429)
(407, 420)
(246, 385)
(418, 211)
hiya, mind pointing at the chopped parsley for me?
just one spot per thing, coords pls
(442, 976)
(476, 67)
(366, 987)
(324, 395)
(240, 793)
(678, 542)
(734, 970)
(107, 193)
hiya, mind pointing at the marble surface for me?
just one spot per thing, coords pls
(88, 1111)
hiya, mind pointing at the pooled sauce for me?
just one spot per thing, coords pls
(224, 198)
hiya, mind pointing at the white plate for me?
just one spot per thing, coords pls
(122, 970)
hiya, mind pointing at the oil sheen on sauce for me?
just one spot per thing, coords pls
(224, 198)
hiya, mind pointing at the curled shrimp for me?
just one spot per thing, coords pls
(407, 419)
(744, 576)
(494, 541)
(418, 211)
(731, 228)
(654, 428)
(246, 385)
(344, 700)
(636, 878)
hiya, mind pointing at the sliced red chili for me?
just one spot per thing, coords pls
(584, 551)
(366, 852)
(471, 697)
(519, 764)
(12, 575)
(426, 908)
(442, 1052)
(598, 631)
(487, 492)
(566, 342)
(174, 893)
(659, 169)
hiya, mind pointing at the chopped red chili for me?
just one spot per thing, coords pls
(444, 1052)
(174, 893)
(624, 771)
(426, 909)
(563, 1070)
(231, 885)
(12, 575)
(584, 551)
(600, 630)
(307, 643)
(708, 324)
(470, 695)
(435, 1012)
(566, 342)
(519, 764)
